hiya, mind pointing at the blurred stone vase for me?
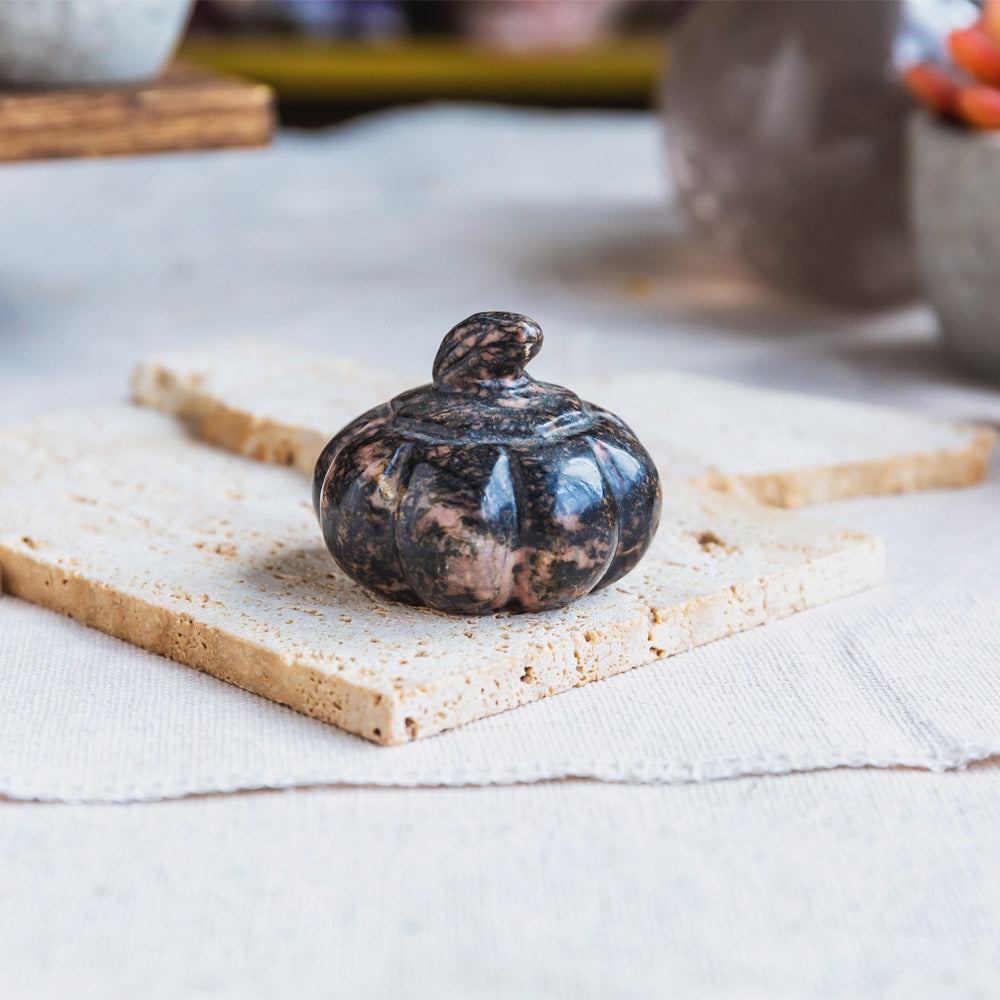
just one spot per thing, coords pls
(786, 136)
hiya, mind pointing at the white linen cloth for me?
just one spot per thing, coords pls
(903, 675)
(373, 240)
(833, 884)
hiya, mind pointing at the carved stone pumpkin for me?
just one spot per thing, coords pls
(486, 490)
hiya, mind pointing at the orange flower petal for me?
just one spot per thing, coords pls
(932, 86)
(991, 19)
(979, 105)
(975, 51)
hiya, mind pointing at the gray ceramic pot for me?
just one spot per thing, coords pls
(47, 43)
(955, 201)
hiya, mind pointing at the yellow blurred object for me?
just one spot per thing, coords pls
(616, 71)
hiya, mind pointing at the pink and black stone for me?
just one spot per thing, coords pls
(487, 490)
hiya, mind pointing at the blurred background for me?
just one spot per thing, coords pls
(840, 153)
(785, 121)
(331, 59)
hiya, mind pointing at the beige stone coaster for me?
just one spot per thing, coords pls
(115, 517)
(282, 404)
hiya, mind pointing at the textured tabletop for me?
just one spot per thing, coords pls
(371, 240)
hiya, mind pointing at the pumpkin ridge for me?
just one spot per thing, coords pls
(517, 489)
(612, 494)
(406, 447)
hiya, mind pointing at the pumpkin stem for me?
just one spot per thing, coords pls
(487, 347)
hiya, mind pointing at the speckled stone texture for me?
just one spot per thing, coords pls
(278, 403)
(114, 516)
(487, 490)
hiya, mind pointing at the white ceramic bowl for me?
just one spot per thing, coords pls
(955, 203)
(47, 43)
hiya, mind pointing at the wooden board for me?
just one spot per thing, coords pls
(185, 108)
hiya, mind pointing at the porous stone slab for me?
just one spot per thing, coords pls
(282, 404)
(114, 516)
